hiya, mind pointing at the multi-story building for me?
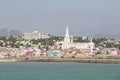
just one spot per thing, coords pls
(35, 35)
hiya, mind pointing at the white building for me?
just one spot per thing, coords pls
(84, 38)
(35, 35)
(68, 43)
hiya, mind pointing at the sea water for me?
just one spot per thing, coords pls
(58, 71)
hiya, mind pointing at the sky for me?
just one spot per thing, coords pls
(84, 17)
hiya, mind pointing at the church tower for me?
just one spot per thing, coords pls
(92, 45)
(66, 41)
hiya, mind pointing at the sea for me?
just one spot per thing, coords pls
(58, 71)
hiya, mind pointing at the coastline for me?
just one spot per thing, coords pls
(85, 59)
(69, 59)
(8, 60)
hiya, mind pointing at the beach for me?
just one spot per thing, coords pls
(8, 60)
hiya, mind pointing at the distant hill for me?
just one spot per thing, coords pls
(7, 32)
(108, 36)
(110, 32)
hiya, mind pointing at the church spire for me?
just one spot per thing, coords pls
(66, 39)
(67, 31)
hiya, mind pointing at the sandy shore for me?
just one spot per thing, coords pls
(8, 60)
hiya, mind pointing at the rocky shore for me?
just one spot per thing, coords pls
(112, 60)
(82, 59)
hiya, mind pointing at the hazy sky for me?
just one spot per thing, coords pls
(84, 17)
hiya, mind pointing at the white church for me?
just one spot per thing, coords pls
(68, 43)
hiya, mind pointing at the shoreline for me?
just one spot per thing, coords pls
(69, 59)
(111, 60)
(8, 60)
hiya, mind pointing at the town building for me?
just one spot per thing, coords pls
(35, 35)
